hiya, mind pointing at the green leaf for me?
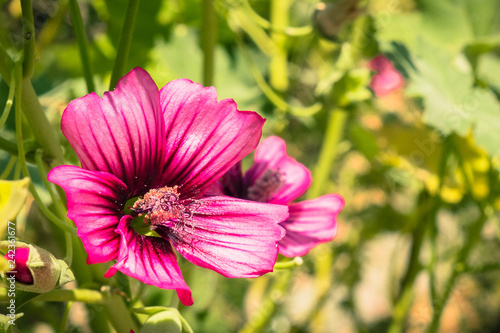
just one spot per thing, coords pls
(451, 102)
(168, 61)
(447, 24)
(13, 194)
(488, 70)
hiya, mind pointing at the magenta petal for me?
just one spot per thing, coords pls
(150, 260)
(236, 238)
(271, 154)
(122, 133)
(95, 204)
(205, 138)
(311, 222)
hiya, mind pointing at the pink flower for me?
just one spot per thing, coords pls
(22, 272)
(277, 178)
(164, 149)
(387, 78)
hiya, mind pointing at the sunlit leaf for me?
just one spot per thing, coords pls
(13, 194)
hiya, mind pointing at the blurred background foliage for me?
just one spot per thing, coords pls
(418, 242)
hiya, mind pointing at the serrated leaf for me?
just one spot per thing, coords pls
(451, 102)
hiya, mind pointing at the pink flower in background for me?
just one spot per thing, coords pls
(277, 178)
(387, 78)
(164, 149)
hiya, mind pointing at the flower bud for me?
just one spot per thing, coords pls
(387, 78)
(165, 321)
(34, 269)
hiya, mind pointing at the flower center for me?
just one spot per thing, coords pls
(162, 208)
(264, 187)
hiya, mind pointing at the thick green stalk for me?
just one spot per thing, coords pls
(66, 295)
(289, 31)
(333, 135)
(125, 42)
(83, 45)
(208, 41)
(278, 67)
(19, 120)
(43, 131)
(29, 39)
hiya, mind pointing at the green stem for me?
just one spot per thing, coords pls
(472, 237)
(405, 298)
(8, 168)
(297, 261)
(48, 214)
(268, 308)
(19, 120)
(333, 135)
(22, 158)
(29, 39)
(125, 42)
(59, 206)
(116, 310)
(208, 40)
(459, 266)
(57, 203)
(10, 100)
(83, 45)
(43, 131)
(271, 94)
(17, 171)
(278, 67)
(64, 321)
(8, 146)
